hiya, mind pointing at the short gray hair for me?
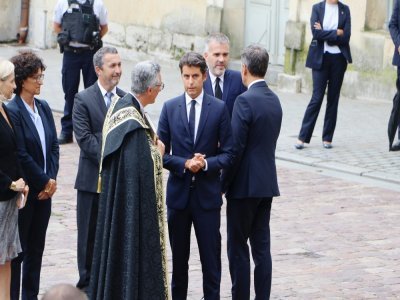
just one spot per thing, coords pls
(99, 55)
(255, 58)
(218, 37)
(144, 75)
(64, 292)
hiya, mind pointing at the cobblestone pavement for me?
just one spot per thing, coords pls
(335, 229)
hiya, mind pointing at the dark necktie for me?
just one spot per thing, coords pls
(218, 92)
(192, 118)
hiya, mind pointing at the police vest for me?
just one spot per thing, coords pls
(80, 25)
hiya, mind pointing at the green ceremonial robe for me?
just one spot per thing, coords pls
(129, 260)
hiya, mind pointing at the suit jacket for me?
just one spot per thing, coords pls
(316, 49)
(10, 168)
(88, 117)
(232, 88)
(213, 139)
(256, 123)
(29, 146)
(394, 28)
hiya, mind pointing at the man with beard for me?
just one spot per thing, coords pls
(129, 260)
(88, 116)
(221, 82)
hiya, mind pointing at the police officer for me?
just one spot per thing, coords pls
(80, 25)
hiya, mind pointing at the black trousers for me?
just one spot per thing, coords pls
(86, 217)
(331, 74)
(249, 219)
(73, 64)
(206, 225)
(33, 220)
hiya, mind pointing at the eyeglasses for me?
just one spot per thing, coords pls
(161, 85)
(38, 78)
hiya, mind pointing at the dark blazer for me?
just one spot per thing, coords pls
(10, 168)
(233, 87)
(88, 117)
(316, 49)
(29, 146)
(256, 123)
(394, 28)
(214, 128)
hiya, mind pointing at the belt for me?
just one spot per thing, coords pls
(76, 50)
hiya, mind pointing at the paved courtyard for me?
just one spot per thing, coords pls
(335, 228)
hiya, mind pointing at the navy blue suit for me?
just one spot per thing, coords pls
(250, 185)
(327, 70)
(232, 88)
(195, 198)
(34, 217)
(394, 28)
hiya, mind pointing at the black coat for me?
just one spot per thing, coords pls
(10, 168)
(88, 117)
(129, 252)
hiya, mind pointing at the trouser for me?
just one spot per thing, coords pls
(398, 77)
(86, 218)
(331, 74)
(33, 220)
(73, 64)
(206, 225)
(249, 219)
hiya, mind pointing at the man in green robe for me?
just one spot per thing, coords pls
(129, 260)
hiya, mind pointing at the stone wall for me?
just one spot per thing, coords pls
(9, 19)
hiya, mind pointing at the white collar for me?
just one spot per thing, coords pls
(104, 91)
(254, 82)
(199, 98)
(213, 77)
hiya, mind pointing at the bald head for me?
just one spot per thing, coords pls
(64, 292)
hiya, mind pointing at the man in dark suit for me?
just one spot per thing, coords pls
(195, 128)
(89, 112)
(221, 82)
(394, 28)
(251, 182)
(328, 56)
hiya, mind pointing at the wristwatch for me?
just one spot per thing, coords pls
(13, 186)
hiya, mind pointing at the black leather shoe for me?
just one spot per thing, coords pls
(396, 146)
(64, 139)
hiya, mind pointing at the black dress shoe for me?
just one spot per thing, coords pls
(396, 146)
(64, 139)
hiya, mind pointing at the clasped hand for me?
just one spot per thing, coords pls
(196, 163)
(48, 190)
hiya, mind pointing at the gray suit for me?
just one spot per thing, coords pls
(88, 117)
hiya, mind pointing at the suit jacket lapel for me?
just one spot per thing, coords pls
(183, 113)
(99, 98)
(322, 14)
(45, 123)
(208, 85)
(28, 120)
(203, 116)
(227, 85)
(342, 16)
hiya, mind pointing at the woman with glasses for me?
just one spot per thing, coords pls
(38, 152)
(13, 190)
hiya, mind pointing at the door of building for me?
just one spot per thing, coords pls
(265, 25)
